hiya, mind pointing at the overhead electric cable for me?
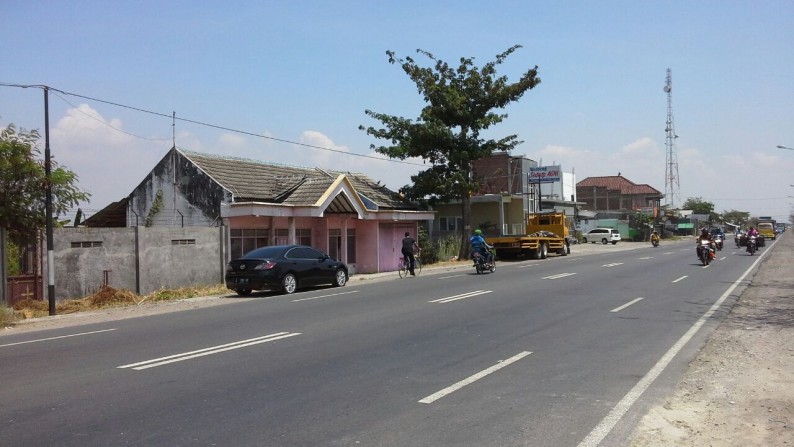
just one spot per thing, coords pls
(214, 126)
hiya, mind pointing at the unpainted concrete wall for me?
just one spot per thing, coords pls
(139, 259)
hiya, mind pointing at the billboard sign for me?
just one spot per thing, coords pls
(545, 174)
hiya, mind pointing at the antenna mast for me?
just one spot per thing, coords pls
(671, 186)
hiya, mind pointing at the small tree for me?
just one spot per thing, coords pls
(23, 185)
(447, 134)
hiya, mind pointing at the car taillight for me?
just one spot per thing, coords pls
(265, 265)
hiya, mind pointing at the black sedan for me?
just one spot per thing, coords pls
(284, 268)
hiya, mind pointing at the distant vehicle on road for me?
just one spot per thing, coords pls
(284, 268)
(603, 235)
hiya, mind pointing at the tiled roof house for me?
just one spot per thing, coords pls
(616, 193)
(348, 215)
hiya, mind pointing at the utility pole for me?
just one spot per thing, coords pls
(48, 203)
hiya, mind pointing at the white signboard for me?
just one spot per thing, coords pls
(545, 174)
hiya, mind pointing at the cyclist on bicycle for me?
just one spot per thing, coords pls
(409, 245)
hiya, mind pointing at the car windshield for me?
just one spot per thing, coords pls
(264, 253)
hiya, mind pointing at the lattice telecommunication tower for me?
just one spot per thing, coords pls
(671, 186)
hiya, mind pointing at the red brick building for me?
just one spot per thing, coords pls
(616, 193)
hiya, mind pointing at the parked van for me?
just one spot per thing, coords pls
(603, 235)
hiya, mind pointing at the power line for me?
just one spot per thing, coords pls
(200, 123)
(106, 123)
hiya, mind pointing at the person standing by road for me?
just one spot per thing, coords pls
(409, 245)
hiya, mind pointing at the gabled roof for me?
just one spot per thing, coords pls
(618, 183)
(113, 215)
(252, 180)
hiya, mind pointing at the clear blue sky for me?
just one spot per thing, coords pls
(305, 71)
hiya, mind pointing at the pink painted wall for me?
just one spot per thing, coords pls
(377, 244)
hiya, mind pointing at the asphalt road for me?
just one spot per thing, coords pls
(568, 351)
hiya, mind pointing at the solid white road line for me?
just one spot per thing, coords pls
(55, 338)
(146, 364)
(325, 296)
(681, 278)
(601, 430)
(635, 300)
(460, 297)
(451, 389)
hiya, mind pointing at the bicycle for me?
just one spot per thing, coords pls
(403, 270)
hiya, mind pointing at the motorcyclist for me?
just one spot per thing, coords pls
(752, 232)
(655, 237)
(706, 236)
(479, 245)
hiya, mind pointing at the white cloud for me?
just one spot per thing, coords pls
(230, 141)
(639, 147)
(108, 161)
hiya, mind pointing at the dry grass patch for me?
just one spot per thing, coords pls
(104, 298)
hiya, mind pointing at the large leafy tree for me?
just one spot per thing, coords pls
(698, 205)
(735, 217)
(23, 186)
(462, 102)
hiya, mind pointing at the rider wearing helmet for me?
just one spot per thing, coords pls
(479, 245)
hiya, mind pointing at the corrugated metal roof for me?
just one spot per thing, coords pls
(252, 180)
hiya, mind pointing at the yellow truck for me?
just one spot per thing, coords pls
(766, 227)
(545, 233)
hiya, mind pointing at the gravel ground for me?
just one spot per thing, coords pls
(739, 391)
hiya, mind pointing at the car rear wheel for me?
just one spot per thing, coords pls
(243, 292)
(289, 283)
(340, 279)
(614, 242)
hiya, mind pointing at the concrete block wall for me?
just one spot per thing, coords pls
(139, 259)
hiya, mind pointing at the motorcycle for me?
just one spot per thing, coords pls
(482, 263)
(655, 241)
(718, 242)
(752, 245)
(705, 251)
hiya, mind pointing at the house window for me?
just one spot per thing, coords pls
(351, 246)
(450, 223)
(282, 236)
(303, 236)
(183, 242)
(245, 240)
(335, 244)
(86, 244)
